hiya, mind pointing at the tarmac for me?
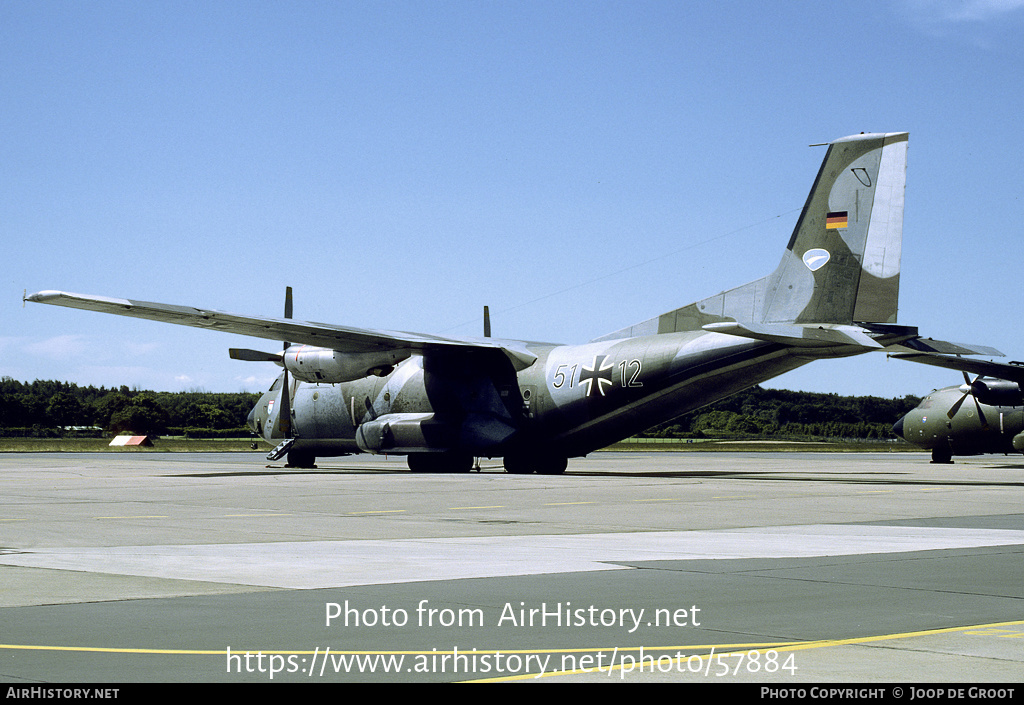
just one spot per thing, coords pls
(700, 567)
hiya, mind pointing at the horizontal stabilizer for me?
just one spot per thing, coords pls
(1012, 371)
(809, 336)
(928, 345)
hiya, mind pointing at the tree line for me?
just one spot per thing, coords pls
(49, 408)
(784, 414)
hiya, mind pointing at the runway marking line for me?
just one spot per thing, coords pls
(140, 516)
(738, 649)
(233, 516)
(1003, 633)
(732, 649)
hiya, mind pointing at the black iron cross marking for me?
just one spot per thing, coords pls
(600, 372)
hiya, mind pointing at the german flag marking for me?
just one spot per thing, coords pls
(835, 220)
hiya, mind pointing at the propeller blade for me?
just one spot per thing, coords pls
(287, 308)
(956, 407)
(253, 355)
(285, 414)
(981, 415)
(968, 389)
(487, 322)
(286, 387)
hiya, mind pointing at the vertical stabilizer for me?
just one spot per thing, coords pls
(842, 263)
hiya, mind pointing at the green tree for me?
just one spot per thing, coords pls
(141, 415)
(65, 410)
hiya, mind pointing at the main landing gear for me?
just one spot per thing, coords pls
(540, 463)
(301, 459)
(450, 462)
(516, 464)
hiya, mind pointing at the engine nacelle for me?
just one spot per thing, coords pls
(404, 433)
(997, 392)
(328, 366)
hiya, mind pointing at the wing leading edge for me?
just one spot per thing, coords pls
(341, 338)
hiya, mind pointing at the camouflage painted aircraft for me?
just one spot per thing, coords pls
(443, 401)
(947, 426)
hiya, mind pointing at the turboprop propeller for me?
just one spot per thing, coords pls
(284, 416)
(969, 390)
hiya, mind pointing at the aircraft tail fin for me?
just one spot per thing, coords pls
(842, 263)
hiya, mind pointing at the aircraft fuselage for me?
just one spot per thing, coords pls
(974, 428)
(573, 400)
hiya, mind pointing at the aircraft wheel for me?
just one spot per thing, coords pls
(517, 465)
(552, 465)
(942, 455)
(541, 464)
(450, 462)
(456, 462)
(301, 459)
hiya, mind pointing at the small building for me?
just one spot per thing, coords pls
(135, 441)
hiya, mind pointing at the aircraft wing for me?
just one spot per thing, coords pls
(340, 338)
(1012, 371)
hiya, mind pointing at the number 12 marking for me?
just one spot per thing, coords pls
(635, 366)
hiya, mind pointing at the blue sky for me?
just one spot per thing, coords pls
(577, 166)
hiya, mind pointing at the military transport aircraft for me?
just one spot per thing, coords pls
(443, 401)
(944, 424)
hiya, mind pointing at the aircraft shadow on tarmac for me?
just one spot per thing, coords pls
(768, 476)
(291, 472)
(787, 476)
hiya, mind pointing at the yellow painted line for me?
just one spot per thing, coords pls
(732, 650)
(258, 515)
(421, 652)
(107, 650)
(726, 649)
(140, 516)
(904, 635)
(1002, 633)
